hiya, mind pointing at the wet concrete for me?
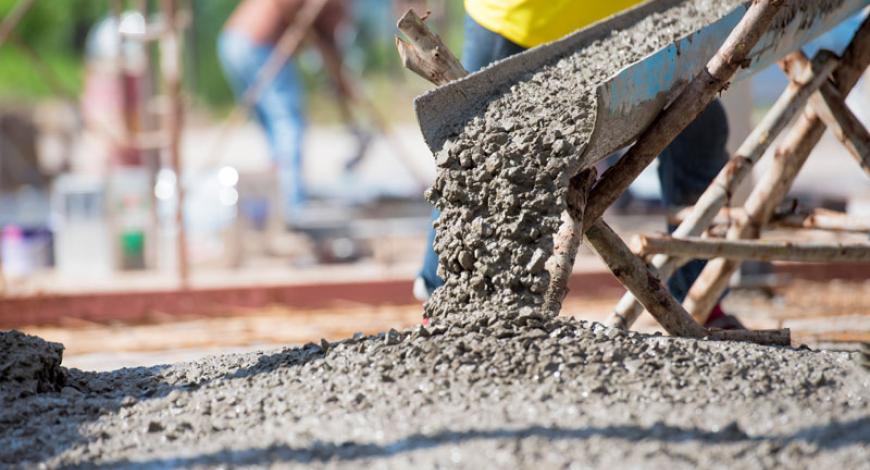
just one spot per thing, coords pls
(529, 392)
(501, 181)
(28, 365)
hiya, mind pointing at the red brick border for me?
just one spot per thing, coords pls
(139, 306)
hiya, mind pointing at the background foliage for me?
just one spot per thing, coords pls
(56, 31)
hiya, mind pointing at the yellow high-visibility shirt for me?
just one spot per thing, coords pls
(529, 23)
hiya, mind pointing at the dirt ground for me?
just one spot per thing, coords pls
(831, 315)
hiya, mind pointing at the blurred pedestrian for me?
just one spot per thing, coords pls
(246, 43)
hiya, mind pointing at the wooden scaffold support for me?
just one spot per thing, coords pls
(796, 147)
(821, 219)
(830, 104)
(815, 219)
(170, 68)
(664, 129)
(567, 240)
(736, 171)
(709, 248)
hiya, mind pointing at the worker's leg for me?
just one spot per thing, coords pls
(428, 279)
(481, 48)
(282, 107)
(686, 168)
(279, 110)
(234, 53)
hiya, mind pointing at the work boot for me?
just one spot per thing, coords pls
(721, 320)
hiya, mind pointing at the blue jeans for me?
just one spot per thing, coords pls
(686, 166)
(279, 109)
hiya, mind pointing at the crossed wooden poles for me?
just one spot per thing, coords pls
(817, 91)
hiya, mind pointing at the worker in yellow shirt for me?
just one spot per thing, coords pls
(529, 23)
(496, 29)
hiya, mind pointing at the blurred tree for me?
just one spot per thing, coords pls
(56, 25)
(57, 29)
(203, 72)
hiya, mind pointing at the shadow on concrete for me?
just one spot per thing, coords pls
(829, 436)
(38, 427)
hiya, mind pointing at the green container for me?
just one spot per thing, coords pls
(133, 250)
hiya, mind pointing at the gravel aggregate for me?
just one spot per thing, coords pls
(530, 392)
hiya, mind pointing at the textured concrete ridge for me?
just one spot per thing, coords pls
(28, 365)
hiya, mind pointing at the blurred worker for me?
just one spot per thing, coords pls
(247, 42)
(496, 29)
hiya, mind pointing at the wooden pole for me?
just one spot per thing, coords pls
(790, 157)
(766, 337)
(842, 122)
(705, 248)
(738, 168)
(170, 55)
(638, 278)
(724, 216)
(567, 241)
(11, 20)
(426, 54)
(821, 219)
(685, 108)
(830, 105)
(816, 219)
(642, 281)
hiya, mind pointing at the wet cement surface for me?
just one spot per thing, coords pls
(29, 365)
(531, 392)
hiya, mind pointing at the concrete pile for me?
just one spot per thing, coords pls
(530, 392)
(28, 365)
